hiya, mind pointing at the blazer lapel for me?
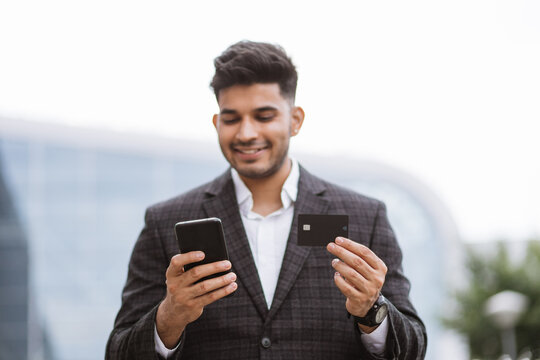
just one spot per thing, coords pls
(222, 203)
(308, 201)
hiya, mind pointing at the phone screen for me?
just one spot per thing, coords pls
(204, 235)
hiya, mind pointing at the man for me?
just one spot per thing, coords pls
(289, 302)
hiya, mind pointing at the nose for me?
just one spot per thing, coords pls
(247, 130)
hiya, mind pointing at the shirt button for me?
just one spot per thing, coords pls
(265, 342)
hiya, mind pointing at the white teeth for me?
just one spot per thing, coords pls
(249, 151)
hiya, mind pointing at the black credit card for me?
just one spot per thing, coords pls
(319, 230)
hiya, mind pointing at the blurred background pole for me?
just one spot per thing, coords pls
(504, 309)
(508, 339)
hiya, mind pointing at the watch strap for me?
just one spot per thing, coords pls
(370, 319)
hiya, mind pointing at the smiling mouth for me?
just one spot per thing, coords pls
(249, 151)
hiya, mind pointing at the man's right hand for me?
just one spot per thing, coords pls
(185, 300)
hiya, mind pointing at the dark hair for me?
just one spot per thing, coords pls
(248, 62)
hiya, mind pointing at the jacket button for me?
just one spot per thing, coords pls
(265, 342)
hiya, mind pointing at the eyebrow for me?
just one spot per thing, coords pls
(266, 108)
(260, 109)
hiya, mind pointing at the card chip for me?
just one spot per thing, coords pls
(307, 227)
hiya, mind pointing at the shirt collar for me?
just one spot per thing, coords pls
(288, 192)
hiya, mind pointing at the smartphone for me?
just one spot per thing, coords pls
(319, 230)
(204, 235)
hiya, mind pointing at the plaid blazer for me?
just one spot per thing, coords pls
(307, 318)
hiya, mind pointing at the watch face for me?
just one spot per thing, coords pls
(381, 314)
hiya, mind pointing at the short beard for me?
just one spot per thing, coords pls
(254, 174)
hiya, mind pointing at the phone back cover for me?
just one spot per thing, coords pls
(319, 230)
(204, 235)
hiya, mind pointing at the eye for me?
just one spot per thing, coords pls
(266, 116)
(228, 120)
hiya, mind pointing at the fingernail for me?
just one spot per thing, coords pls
(331, 246)
(226, 264)
(199, 255)
(334, 262)
(231, 276)
(233, 285)
(339, 240)
(337, 274)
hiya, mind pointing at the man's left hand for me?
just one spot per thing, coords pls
(359, 275)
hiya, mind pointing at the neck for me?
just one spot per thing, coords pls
(266, 191)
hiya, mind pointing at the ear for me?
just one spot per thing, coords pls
(297, 119)
(215, 120)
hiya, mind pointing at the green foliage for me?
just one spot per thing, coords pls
(488, 276)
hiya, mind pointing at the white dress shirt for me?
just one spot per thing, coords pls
(267, 237)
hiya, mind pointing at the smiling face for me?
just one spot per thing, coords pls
(254, 126)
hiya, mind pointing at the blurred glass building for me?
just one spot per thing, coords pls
(13, 281)
(72, 205)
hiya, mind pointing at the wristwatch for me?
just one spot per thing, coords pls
(375, 315)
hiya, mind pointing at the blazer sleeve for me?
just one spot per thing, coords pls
(406, 337)
(133, 334)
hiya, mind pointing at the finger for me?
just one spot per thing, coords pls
(176, 266)
(210, 285)
(353, 260)
(198, 272)
(353, 277)
(347, 289)
(363, 251)
(218, 294)
(357, 303)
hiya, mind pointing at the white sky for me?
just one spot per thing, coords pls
(448, 91)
